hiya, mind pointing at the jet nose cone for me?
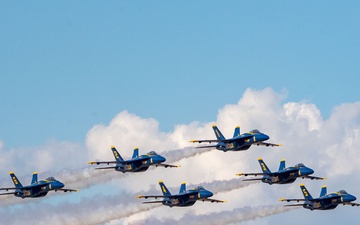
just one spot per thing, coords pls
(309, 171)
(265, 137)
(351, 198)
(305, 171)
(161, 159)
(208, 194)
(60, 185)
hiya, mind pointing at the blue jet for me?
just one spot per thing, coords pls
(239, 142)
(136, 164)
(283, 175)
(184, 198)
(325, 201)
(37, 188)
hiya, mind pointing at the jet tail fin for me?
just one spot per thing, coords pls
(164, 189)
(34, 178)
(182, 188)
(323, 191)
(117, 156)
(237, 131)
(15, 180)
(305, 192)
(136, 153)
(218, 133)
(282, 165)
(263, 166)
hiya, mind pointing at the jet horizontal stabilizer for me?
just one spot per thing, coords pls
(294, 205)
(110, 167)
(152, 202)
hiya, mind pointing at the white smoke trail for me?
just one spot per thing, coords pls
(96, 210)
(225, 217)
(99, 208)
(88, 176)
(226, 185)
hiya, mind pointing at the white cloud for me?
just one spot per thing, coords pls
(329, 146)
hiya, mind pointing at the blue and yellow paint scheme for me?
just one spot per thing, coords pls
(283, 175)
(37, 188)
(136, 163)
(183, 198)
(238, 142)
(324, 201)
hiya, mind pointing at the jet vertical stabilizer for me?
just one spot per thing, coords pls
(182, 188)
(218, 133)
(34, 178)
(15, 180)
(164, 189)
(136, 153)
(117, 154)
(237, 131)
(323, 191)
(282, 165)
(305, 192)
(263, 166)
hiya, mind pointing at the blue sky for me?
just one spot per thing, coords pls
(68, 66)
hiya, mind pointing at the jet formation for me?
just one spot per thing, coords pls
(239, 142)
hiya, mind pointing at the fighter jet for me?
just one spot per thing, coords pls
(136, 164)
(184, 198)
(36, 188)
(325, 201)
(239, 142)
(283, 175)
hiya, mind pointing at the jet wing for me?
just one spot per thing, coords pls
(212, 200)
(209, 141)
(313, 178)
(152, 196)
(159, 196)
(244, 137)
(68, 190)
(351, 203)
(292, 199)
(165, 165)
(102, 162)
(266, 144)
(250, 174)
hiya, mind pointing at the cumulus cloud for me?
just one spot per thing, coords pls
(328, 145)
